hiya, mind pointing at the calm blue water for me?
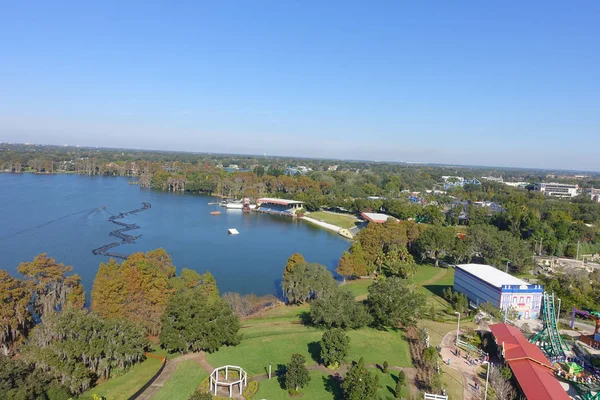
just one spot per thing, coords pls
(251, 262)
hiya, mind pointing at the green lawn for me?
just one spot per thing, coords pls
(358, 287)
(320, 387)
(342, 220)
(183, 383)
(124, 386)
(275, 335)
(387, 385)
(425, 272)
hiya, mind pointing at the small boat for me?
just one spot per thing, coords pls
(233, 231)
(215, 213)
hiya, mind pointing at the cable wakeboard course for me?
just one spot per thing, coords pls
(120, 233)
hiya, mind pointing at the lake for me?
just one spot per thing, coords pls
(61, 215)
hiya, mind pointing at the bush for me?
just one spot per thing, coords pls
(200, 395)
(402, 378)
(385, 367)
(251, 390)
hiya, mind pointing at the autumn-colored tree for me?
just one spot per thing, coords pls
(345, 265)
(138, 290)
(51, 288)
(15, 318)
(291, 263)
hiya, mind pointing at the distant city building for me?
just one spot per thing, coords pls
(484, 283)
(594, 194)
(493, 179)
(332, 168)
(458, 181)
(300, 169)
(557, 189)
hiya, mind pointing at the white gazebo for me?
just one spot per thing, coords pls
(241, 380)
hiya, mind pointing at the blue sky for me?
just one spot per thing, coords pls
(469, 82)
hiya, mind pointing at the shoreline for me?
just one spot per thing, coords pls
(331, 227)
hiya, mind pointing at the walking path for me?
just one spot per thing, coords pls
(200, 358)
(322, 224)
(170, 368)
(460, 364)
(434, 279)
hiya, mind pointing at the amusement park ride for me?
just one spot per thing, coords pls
(581, 374)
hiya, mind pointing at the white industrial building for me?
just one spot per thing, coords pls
(558, 189)
(486, 284)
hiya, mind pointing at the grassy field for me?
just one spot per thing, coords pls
(342, 220)
(321, 387)
(125, 385)
(387, 385)
(275, 335)
(358, 287)
(183, 383)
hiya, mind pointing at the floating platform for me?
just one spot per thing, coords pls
(215, 213)
(233, 231)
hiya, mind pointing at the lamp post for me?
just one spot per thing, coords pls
(457, 330)
(506, 270)
(487, 377)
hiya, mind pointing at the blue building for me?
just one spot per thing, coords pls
(484, 283)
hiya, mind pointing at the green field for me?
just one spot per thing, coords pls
(320, 387)
(358, 287)
(183, 383)
(387, 385)
(124, 386)
(342, 220)
(272, 338)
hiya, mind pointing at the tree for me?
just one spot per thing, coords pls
(291, 263)
(75, 347)
(20, 380)
(138, 289)
(52, 289)
(346, 265)
(334, 347)
(195, 321)
(359, 383)
(307, 281)
(15, 318)
(430, 357)
(385, 367)
(395, 301)
(400, 384)
(338, 308)
(500, 383)
(435, 242)
(296, 374)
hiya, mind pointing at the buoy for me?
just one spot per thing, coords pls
(215, 213)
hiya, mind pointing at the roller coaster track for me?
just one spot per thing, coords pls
(549, 337)
(120, 233)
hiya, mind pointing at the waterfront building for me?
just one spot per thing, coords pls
(557, 189)
(484, 283)
(278, 206)
(377, 218)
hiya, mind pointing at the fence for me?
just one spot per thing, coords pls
(151, 380)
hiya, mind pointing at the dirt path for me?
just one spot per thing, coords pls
(460, 364)
(434, 279)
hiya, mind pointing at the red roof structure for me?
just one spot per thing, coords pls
(532, 370)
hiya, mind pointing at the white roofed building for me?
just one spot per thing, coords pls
(484, 283)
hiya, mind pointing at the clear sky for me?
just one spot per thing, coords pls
(471, 82)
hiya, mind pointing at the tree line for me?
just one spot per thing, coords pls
(63, 348)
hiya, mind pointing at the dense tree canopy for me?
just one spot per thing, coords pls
(307, 281)
(195, 321)
(76, 348)
(296, 374)
(395, 301)
(359, 383)
(337, 308)
(334, 347)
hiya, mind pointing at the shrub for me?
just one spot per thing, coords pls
(385, 367)
(402, 378)
(251, 390)
(201, 395)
